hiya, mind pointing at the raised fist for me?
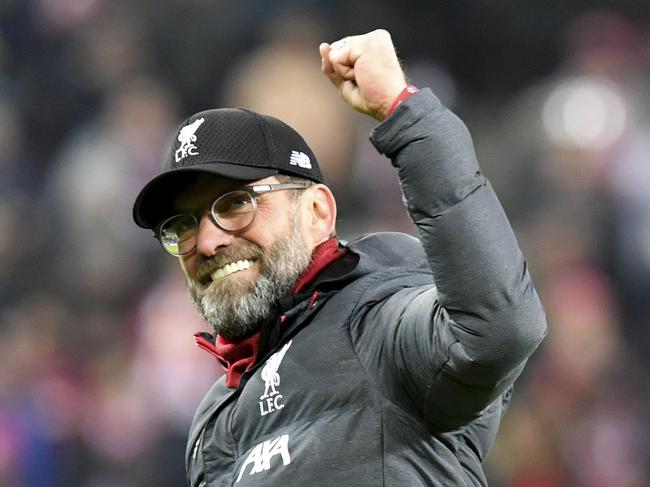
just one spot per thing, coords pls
(366, 71)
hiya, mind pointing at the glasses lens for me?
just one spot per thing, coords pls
(234, 210)
(178, 234)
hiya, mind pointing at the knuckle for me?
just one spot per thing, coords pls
(382, 34)
(379, 38)
(356, 50)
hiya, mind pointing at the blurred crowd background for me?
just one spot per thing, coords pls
(99, 374)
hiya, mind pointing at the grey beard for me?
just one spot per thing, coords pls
(234, 312)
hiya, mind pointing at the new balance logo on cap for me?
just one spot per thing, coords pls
(300, 159)
(187, 137)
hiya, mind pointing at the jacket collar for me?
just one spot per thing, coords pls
(239, 356)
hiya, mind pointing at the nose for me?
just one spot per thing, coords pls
(210, 237)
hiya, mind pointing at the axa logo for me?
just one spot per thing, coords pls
(187, 137)
(299, 159)
(271, 399)
(261, 455)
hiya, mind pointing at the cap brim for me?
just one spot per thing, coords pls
(155, 200)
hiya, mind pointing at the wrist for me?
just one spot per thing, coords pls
(406, 93)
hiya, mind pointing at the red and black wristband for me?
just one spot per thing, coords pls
(407, 92)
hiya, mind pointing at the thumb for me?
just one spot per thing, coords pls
(326, 65)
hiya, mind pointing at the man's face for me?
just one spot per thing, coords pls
(235, 278)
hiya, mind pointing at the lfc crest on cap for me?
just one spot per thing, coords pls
(187, 137)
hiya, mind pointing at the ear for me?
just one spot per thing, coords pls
(320, 213)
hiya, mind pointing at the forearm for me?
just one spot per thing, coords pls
(480, 273)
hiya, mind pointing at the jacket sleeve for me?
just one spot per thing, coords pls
(458, 345)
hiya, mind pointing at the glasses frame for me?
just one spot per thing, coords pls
(254, 191)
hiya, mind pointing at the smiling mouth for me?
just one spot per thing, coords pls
(228, 269)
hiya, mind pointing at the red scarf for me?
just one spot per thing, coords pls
(237, 357)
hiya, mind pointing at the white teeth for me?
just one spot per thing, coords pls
(243, 264)
(228, 269)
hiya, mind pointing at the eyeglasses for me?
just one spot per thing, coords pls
(232, 212)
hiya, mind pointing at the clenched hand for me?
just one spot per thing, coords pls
(366, 71)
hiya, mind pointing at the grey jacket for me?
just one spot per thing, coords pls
(387, 378)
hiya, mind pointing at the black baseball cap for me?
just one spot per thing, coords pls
(234, 143)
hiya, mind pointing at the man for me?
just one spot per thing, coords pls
(345, 364)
